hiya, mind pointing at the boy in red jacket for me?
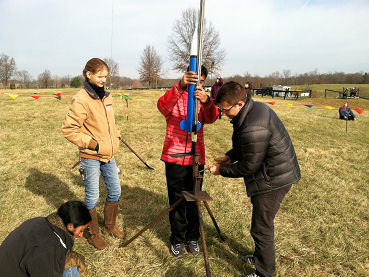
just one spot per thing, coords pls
(184, 219)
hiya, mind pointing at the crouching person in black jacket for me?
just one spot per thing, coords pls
(262, 153)
(42, 246)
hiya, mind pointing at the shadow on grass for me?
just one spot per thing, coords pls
(227, 251)
(139, 207)
(50, 187)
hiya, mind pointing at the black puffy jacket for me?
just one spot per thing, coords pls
(262, 151)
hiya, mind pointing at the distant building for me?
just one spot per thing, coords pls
(279, 90)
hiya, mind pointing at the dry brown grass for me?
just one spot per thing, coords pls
(322, 224)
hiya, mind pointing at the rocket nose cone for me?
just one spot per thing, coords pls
(194, 43)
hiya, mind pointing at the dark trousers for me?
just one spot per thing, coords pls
(264, 209)
(349, 117)
(184, 220)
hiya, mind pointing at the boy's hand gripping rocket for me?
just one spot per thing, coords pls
(187, 125)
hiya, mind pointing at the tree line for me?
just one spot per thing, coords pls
(307, 78)
(150, 77)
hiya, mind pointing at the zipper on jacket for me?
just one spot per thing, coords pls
(61, 241)
(107, 119)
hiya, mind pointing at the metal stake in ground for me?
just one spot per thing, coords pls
(130, 148)
(134, 152)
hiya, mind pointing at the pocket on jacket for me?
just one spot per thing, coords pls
(104, 148)
(261, 181)
(264, 171)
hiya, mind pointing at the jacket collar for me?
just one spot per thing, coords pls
(58, 227)
(240, 117)
(92, 92)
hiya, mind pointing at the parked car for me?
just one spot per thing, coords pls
(265, 91)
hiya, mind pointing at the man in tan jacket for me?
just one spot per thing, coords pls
(90, 125)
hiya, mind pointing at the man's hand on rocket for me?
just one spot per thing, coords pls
(189, 78)
(200, 94)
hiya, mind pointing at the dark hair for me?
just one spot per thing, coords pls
(204, 71)
(74, 212)
(231, 92)
(94, 65)
(248, 90)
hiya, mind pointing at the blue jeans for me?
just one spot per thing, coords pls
(71, 272)
(91, 174)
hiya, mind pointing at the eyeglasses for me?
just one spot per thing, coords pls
(227, 110)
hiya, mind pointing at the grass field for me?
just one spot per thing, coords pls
(322, 224)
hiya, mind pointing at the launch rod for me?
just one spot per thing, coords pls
(199, 63)
(191, 124)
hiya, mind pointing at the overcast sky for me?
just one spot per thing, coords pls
(259, 37)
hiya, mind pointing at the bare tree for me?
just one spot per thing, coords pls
(24, 78)
(65, 81)
(113, 78)
(44, 79)
(181, 39)
(136, 84)
(125, 82)
(7, 69)
(150, 67)
(286, 76)
(57, 83)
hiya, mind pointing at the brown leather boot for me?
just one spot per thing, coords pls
(95, 237)
(110, 214)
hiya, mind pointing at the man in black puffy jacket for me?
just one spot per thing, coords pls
(262, 153)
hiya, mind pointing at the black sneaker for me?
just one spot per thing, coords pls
(248, 259)
(193, 247)
(253, 275)
(177, 250)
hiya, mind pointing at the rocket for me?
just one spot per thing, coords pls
(188, 124)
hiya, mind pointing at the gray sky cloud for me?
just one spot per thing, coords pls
(259, 37)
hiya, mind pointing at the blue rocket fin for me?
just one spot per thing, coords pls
(187, 126)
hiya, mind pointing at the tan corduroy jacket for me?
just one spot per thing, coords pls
(90, 121)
